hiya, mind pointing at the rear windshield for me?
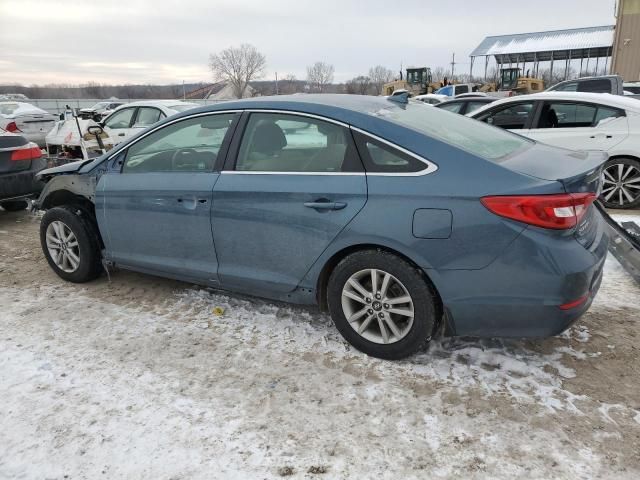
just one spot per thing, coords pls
(8, 108)
(462, 132)
(182, 108)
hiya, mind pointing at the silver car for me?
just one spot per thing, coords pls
(27, 120)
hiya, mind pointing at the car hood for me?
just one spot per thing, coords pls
(72, 167)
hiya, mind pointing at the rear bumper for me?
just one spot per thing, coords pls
(21, 184)
(520, 293)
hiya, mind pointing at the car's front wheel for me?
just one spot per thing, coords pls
(70, 243)
(14, 205)
(621, 185)
(381, 304)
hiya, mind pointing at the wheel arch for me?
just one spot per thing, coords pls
(337, 257)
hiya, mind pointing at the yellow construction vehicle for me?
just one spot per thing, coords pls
(512, 83)
(418, 81)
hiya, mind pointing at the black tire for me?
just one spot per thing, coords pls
(611, 170)
(14, 205)
(80, 222)
(422, 294)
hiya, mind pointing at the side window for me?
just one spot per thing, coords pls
(275, 142)
(191, 145)
(462, 89)
(147, 116)
(595, 86)
(566, 115)
(567, 87)
(473, 106)
(511, 116)
(379, 157)
(452, 107)
(121, 118)
(604, 113)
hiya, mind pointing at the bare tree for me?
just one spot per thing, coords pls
(238, 66)
(438, 74)
(360, 85)
(290, 84)
(319, 75)
(379, 75)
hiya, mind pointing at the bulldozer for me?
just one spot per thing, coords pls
(418, 81)
(512, 83)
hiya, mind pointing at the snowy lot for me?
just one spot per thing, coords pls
(138, 378)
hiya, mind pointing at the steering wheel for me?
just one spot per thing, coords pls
(179, 152)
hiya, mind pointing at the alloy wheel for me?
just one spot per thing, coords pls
(63, 246)
(621, 184)
(377, 306)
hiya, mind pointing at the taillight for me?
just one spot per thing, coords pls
(559, 212)
(29, 153)
(12, 127)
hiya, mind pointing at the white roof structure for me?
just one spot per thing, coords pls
(569, 44)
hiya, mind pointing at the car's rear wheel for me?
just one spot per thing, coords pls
(621, 186)
(381, 304)
(70, 243)
(14, 205)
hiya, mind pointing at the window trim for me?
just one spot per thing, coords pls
(133, 115)
(536, 120)
(229, 167)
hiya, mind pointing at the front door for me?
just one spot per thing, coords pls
(156, 211)
(293, 183)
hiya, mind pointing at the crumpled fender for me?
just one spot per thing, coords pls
(79, 185)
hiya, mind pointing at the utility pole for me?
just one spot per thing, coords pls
(184, 93)
(453, 63)
(277, 83)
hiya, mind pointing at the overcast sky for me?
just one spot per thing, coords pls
(167, 41)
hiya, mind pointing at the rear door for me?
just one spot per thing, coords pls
(579, 125)
(154, 203)
(291, 184)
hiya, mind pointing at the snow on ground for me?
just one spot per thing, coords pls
(138, 378)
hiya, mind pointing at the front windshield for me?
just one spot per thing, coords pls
(99, 105)
(478, 138)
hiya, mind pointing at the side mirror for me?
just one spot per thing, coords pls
(95, 130)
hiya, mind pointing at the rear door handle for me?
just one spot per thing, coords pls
(121, 134)
(325, 205)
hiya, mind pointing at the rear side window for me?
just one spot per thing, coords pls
(462, 89)
(280, 142)
(568, 87)
(452, 107)
(595, 86)
(147, 116)
(605, 113)
(379, 157)
(574, 115)
(473, 106)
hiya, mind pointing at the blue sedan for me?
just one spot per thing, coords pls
(395, 217)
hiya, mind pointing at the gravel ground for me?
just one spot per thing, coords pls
(139, 378)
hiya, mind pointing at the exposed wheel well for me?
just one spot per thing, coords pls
(323, 278)
(65, 197)
(632, 157)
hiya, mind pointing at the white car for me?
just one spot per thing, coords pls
(103, 109)
(431, 98)
(129, 119)
(27, 120)
(581, 121)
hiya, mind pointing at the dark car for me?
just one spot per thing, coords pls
(393, 216)
(20, 160)
(465, 105)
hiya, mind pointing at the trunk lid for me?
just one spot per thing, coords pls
(8, 144)
(35, 122)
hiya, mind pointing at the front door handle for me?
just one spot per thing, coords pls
(121, 134)
(320, 205)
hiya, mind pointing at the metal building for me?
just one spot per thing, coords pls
(626, 52)
(591, 44)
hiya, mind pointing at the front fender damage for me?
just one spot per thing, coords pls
(71, 185)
